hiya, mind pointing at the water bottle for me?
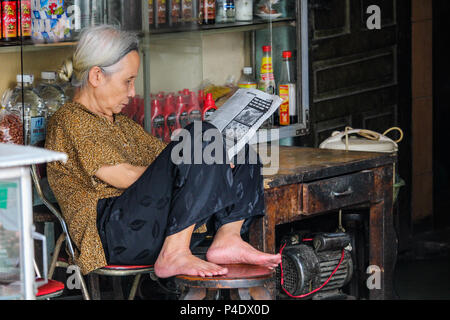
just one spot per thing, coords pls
(33, 108)
(50, 92)
(247, 80)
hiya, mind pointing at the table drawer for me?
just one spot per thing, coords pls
(335, 193)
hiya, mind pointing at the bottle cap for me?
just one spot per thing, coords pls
(48, 75)
(266, 48)
(26, 78)
(209, 102)
(287, 54)
(248, 70)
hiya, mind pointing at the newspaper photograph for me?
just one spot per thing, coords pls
(240, 117)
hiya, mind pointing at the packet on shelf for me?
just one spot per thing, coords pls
(50, 21)
(217, 91)
(11, 128)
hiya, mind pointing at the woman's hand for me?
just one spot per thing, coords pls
(120, 176)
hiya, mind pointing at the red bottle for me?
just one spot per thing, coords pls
(181, 111)
(170, 117)
(186, 94)
(140, 113)
(10, 21)
(194, 111)
(201, 98)
(157, 119)
(25, 19)
(209, 106)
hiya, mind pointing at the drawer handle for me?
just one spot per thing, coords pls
(342, 194)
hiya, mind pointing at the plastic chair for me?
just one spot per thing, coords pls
(110, 270)
(48, 290)
(51, 289)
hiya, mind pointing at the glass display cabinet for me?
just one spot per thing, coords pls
(185, 54)
(17, 277)
(188, 48)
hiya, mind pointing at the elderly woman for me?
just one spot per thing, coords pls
(125, 201)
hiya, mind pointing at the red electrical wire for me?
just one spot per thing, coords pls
(315, 290)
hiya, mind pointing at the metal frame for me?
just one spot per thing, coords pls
(57, 214)
(117, 272)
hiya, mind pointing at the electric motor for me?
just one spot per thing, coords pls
(309, 264)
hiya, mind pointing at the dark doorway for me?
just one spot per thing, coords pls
(441, 113)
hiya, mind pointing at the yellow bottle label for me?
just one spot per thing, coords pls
(284, 107)
(266, 65)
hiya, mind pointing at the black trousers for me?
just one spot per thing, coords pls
(170, 197)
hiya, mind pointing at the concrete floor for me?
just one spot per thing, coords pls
(424, 273)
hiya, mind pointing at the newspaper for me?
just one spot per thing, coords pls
(239, 118)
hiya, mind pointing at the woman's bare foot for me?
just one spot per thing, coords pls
(229, 248)
(178, 262)
(175, 258)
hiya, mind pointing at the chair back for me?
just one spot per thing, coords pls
(36, 175)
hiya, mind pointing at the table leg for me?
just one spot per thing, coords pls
(382, 239)
(262, 237)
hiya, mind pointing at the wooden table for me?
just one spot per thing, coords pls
(314, 181)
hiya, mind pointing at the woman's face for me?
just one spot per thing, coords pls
(115, 90)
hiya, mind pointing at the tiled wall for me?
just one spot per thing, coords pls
(422, 110)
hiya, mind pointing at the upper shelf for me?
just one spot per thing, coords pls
(158, 33)
(221, 27)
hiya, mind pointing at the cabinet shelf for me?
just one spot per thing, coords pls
(29, 45)
(219, 27)
(158, 33)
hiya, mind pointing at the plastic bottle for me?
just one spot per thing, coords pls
(226, 11)
(187, 11)
(161, 12)
(287, 92)
(267, 79)
(207, 10)
(10, 19)
(85, 12)
(181, 110)
(247, 80)
(194, 111)
(174, 12)
(157, 119)
(34, 110)
(201, 98)
(209, 106)
(186, 95)
(50, 92)
(170, 117)
(25, 19)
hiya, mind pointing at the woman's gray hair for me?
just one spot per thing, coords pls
(102, 46)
